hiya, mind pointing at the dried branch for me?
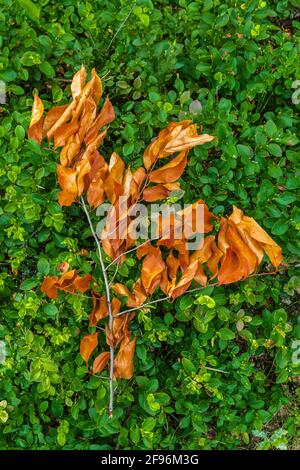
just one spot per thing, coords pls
(169, 299)
(108, 300)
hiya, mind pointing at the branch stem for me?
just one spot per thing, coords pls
(108, 300)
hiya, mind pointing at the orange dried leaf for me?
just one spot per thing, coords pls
(159, 192)
(171, 172)
(49, 288)
(249, 226)
(185, 280)
(100, 362)
(152, 267)
(176, 137)
(123, 291)
(62, 134)
(78, 82)
(74, 109)
(106, 116)
(67, 178)
(123, 366)
(99, 310)
(97, 89)
(113, 184)
(52, 116)
(82, 283)
(88, 345)
(35, 130)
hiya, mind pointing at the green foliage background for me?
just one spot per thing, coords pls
(240, 60)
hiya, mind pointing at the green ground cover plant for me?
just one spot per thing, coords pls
(232, 355)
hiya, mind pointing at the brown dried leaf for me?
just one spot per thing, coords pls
(100, 362)
(87, 345)
(35, 130)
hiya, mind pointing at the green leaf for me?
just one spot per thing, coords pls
(275, 171)
(30, 9)
(43, 266)
(154, 97)
(271, 129)
(279, 228)
(128, 149)
(47, 69)
(31, 58)
(20, 132)
(275, 150)
(286, 198)
(149, 424)
(50, 309)
(282, 377)
(226, 334)
(188, 365)
(29, 284)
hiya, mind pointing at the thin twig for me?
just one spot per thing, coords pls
(169, 299)
(121, 26)
(105, 75)
(158, 237)
(78, 295)
(66, 80)
(111, 318)
(216, 370)
(129, 251)
(100, 376)
(115, 273)
(143, 305)
(50, 150)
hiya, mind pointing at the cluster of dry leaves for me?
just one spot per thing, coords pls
(233, 254)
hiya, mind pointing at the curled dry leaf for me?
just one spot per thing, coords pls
(100, 362)
(77, 129)
(68, 282)
(185, 280)
(52, 116)
(152, 267)
(123, 366)
(123, 291)
(256, 237)
(99, 310)
(82, 283)
(178, 136)
(67, 178)
(106, 116)
(133, 300)
(113, 184)
(87, 345)
(210, 254)
(35, 130)
(170, 172)
(243, 242)
(78, 82)
(49, 287)
(159, 192)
